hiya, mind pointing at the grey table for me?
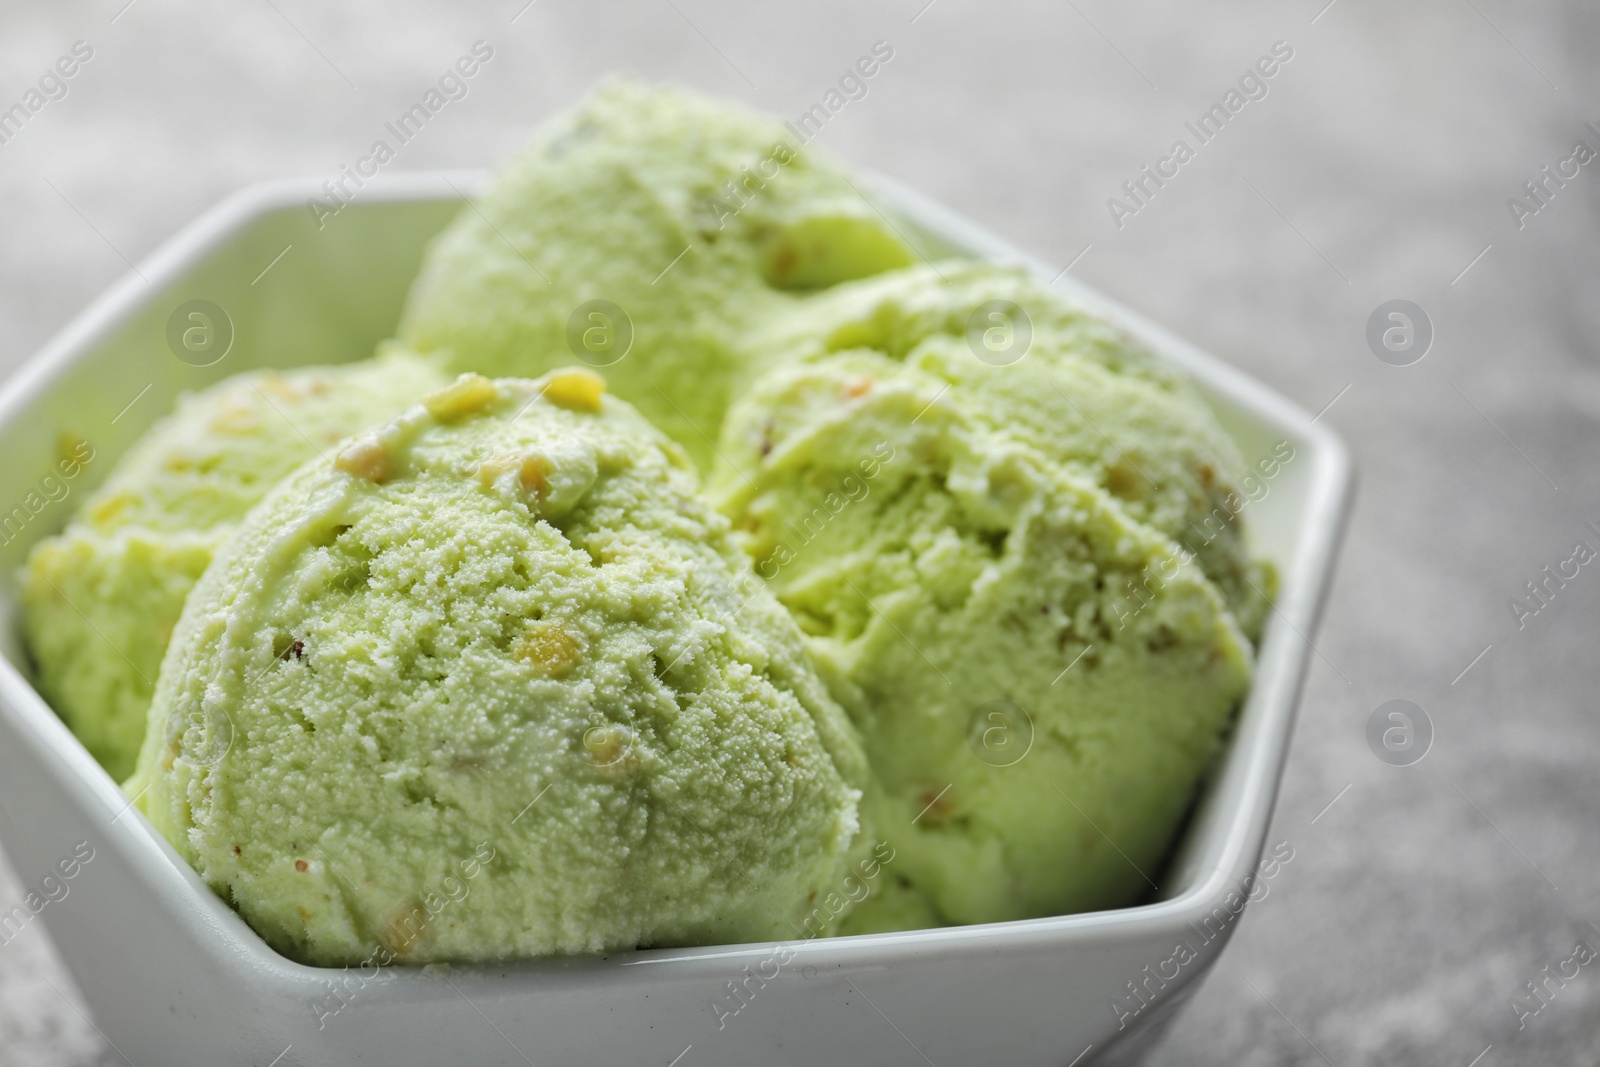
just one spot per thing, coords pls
(1378, 165)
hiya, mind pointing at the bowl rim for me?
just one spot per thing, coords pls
(1253, 763)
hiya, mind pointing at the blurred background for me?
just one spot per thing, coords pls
(1424, 893)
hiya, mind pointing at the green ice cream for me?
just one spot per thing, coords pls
(496, 682)
(997, 566)
(1059, 380)
(101, 598)
(644, 233)
(492, 679)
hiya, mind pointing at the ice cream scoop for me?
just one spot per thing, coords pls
(988, 548)
(643, 233)
(1057, 379)
(493, 681)
(102, 597)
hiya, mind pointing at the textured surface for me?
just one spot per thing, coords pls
(1039, 668)
(1047, 376)
(116, 578)
(643, 233)
(343, 726)
(1381, 161)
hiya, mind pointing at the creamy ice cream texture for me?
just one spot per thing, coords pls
(494, 679)
(644, 233)
(1058, 380)
(100, 599)
(507, 625)
(1000, 558)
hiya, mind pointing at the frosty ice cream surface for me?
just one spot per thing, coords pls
(851, 561)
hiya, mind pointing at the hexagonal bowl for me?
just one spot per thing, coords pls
(173, 975)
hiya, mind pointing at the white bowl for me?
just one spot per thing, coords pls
(173, 975)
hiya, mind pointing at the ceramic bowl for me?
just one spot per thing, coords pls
(172, 975)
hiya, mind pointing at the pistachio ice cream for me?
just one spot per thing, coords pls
(100, 599)
(449, 656)
(644, 233)
(505, 624)
(992, 556)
